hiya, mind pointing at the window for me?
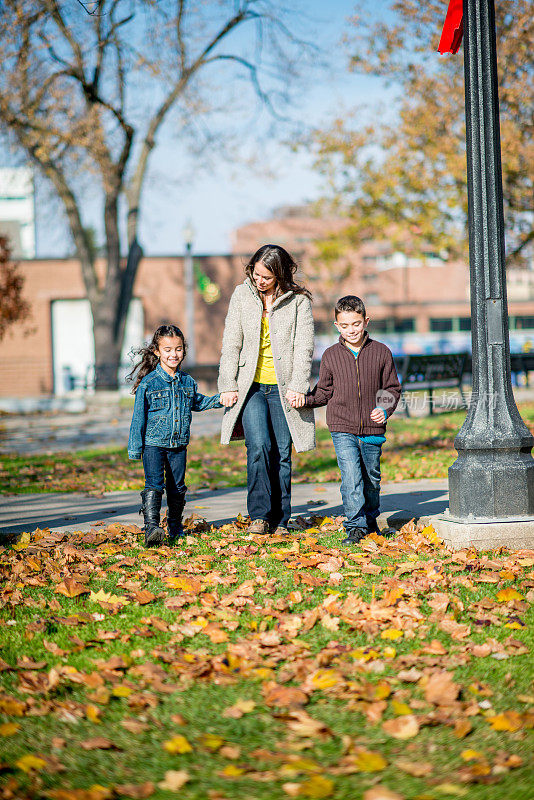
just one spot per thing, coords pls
(522, 323)
(404, 325)
(441, 324)
(464, 323)
(378, 326)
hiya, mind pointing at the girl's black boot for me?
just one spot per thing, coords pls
(175, 508)
(154, 535)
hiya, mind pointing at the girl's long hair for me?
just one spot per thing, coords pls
(281, 264)
(149, 360)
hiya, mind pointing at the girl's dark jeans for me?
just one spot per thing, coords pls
(165, 468)
(268, 443)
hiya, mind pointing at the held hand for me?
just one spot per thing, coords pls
(378, 416)
(295, 399)
(228, 399)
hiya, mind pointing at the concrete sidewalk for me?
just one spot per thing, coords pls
(400, 503)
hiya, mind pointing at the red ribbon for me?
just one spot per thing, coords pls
(453, 29)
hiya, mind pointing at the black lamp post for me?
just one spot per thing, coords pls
(188, 234)
(493, 476)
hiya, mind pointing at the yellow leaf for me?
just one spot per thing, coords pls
(391, 633)
(316, 787)
(389, 652)
(9, 728)
(231, 771)
(23, 542)
(369, 761)
(121, 691)
(451, 788)
(29, 762)
(400, 709)
(469, 755)
(507, 721)
(107, 597)
(92, 713)
(325, 678)
(211, 741)
(185, 584)
(11, 707)
(508, 594)
(178, 744)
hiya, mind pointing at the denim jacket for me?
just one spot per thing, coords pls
(162, 410)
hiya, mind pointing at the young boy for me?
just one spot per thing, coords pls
(358, 384)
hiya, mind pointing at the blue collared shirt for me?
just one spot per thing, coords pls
(162, 410)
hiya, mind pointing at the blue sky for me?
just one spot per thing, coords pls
(228, 193)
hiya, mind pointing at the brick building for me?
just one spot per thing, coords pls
(415, 305)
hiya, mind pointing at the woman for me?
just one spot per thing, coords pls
(265, 364)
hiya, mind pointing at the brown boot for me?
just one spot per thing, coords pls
(280, 531)
(258, 526)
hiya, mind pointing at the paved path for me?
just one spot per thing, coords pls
(74, 512)
(51, 432)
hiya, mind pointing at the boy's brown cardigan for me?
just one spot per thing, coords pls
(352, 387)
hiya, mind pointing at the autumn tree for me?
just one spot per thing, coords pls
(13, 306)
(401, 175)
(86, 89)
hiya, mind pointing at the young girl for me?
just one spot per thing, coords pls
(159, 433)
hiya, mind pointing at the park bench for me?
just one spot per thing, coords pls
(522, 363)
(429, 372)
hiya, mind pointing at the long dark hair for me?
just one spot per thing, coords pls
(149, 360)
(281, 264)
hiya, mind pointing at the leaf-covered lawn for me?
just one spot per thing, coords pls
(239, 666)
(415, 448)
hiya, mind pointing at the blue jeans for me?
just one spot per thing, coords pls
(165, 468)
(268, 443)
(359, 464)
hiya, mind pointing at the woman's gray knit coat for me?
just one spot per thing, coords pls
(291, 331)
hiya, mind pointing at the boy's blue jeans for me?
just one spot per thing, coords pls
(165, 468)
(268, 442)
(359, 464)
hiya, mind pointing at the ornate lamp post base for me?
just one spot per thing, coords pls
(491, 484)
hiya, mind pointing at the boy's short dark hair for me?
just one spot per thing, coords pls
(350, 303)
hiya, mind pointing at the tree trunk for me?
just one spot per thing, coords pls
(110, 309)
(107, 345)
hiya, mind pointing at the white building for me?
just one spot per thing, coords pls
(17, 210)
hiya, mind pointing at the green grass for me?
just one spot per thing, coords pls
(205, 677)
(416, 448)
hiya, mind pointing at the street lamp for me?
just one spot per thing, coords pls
(188, 234)
(492, 480)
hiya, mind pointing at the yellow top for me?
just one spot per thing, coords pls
(265, 368)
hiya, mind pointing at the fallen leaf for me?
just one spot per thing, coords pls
(505, 595)
(238, 709)
(507, 721)
(99, 743)
(441, 689)
(381, 793)
(135, 791)
(174, 780)
(316, 787)
(369, 761)
(178, 744)
(402, 727)
(71, 588)
(30, 762)
(419, 769)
